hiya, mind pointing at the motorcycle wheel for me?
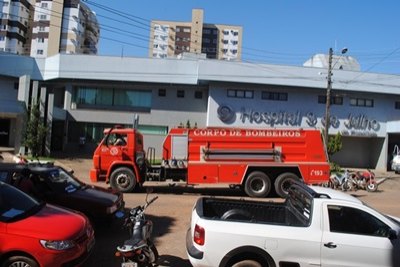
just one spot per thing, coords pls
(155, 252)
(345, 186)
(372, 186)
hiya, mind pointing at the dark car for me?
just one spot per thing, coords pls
(54, 185)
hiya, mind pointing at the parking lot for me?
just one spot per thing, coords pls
(171, 215)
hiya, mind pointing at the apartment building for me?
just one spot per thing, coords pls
(216, 41)
(45, 28)
(14, 26)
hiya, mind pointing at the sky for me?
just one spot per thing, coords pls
(285, 32)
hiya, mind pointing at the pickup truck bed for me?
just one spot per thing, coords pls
(248, 211)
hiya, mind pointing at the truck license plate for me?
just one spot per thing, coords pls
(129, 264)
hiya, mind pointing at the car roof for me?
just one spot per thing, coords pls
(33, 167)
(334, 194)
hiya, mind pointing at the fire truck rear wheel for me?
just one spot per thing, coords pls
(257, 184)
(123, 179)
(283, 182)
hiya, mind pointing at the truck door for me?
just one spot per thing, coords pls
(354, 237)
(113, 149)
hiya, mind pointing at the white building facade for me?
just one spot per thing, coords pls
(100, 92)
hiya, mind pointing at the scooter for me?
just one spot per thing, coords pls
(340, 180)
(138, 250)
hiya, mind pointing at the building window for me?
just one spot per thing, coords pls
(162, 92)
(39, 52)
(113, 98)
(42, 17)
(42, 28)
(335, 100)
(198, 94)
(186, 30)
(274, 96)
(180, 93)
(397, 105)
(44, 5)
(240, 93)
(40, 40)
(362, 102)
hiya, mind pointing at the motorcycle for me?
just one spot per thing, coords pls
(340, 180)
(138, 250)
(364, 180)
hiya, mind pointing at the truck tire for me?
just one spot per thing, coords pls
(247, 263)
(257, 184)
(237, 214)
(123, 179)
(283, 182)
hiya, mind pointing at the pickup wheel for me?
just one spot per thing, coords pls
(257, 184)
(283, 182)
(123, 179)
(247, 263)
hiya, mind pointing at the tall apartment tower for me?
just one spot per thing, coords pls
(44, 28)
(218, 41)
(16, 18)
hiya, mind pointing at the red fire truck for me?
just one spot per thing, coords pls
(256, 160)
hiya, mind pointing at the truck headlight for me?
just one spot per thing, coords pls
(57, 245)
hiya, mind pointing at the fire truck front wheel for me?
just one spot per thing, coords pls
(257, 184)
(123, 179)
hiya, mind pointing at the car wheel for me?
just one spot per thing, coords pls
(257, 184)
(283, 182)
(247, 263)
(123, 179)
(20, 261)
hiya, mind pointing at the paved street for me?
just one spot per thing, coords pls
(171, 215)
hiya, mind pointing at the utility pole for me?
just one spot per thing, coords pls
(328, 98)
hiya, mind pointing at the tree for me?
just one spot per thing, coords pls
(35, 131)
(334, 144)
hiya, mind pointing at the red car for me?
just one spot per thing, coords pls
(34, 234)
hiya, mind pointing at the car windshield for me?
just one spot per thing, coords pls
(15, 204)
(61, 180)
(395, 221)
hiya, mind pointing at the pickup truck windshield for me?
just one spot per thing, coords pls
(300, 204)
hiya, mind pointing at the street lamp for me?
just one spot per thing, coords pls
(328, 93)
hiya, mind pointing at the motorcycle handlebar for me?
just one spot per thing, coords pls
(152, 200)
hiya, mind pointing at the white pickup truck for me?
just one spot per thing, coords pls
(315, 226)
